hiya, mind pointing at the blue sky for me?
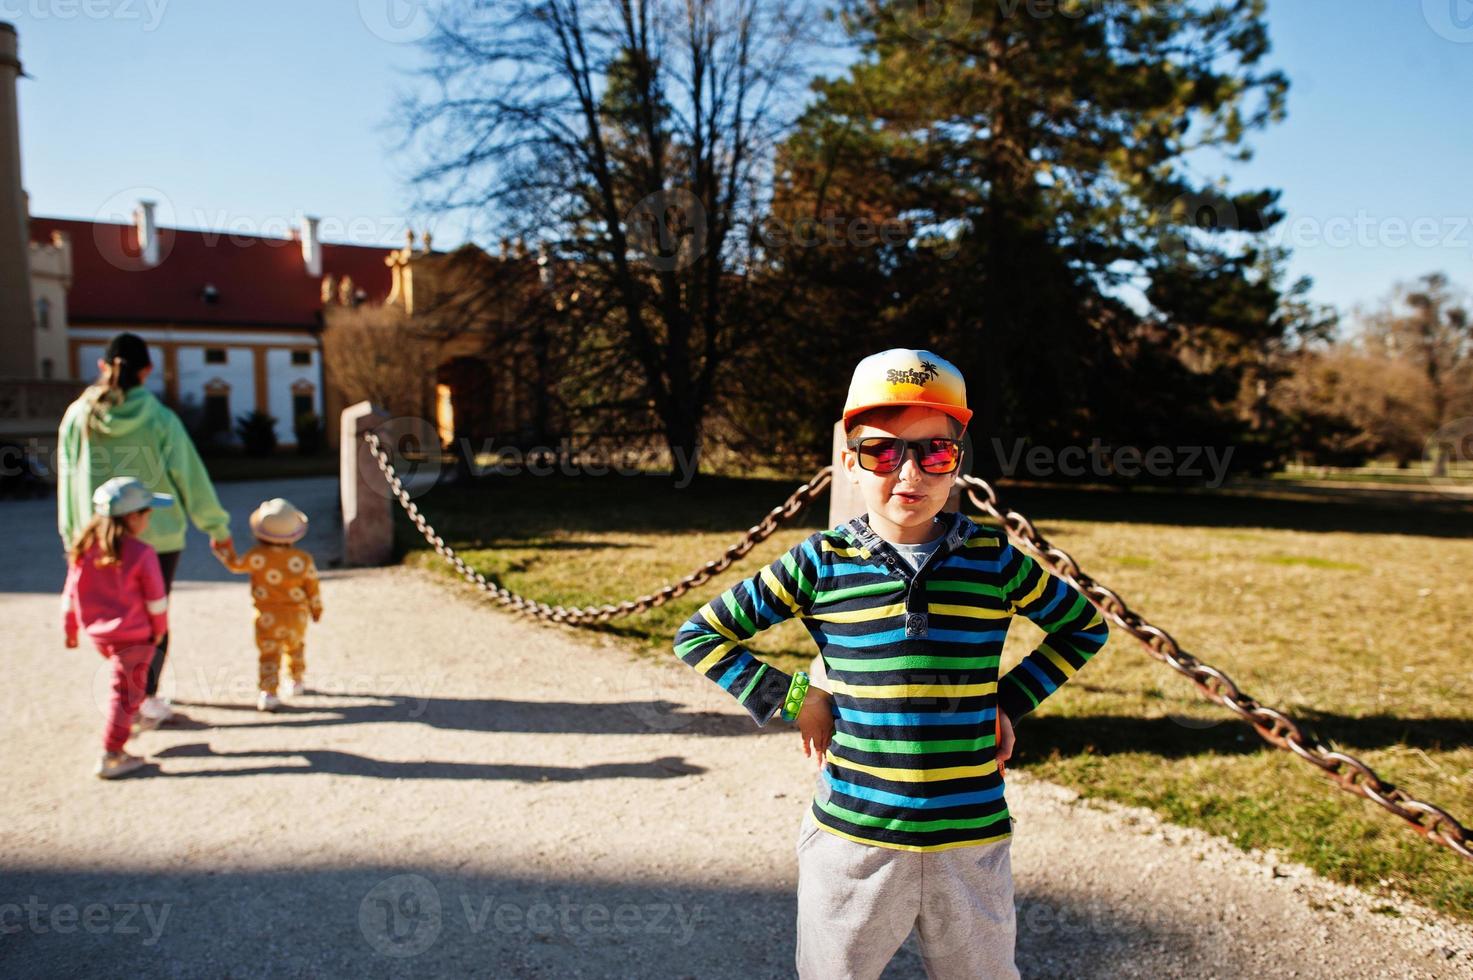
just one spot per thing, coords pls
(244, 116)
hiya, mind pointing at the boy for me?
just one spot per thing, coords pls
(285, 591)
(909, 608)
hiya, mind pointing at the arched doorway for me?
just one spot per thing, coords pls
(464, 401)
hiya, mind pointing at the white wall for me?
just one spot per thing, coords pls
(51, 344)
(238, 371)
(282, 374)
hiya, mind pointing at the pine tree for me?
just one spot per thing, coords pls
(1062, 248)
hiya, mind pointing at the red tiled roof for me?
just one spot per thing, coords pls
(259, 281)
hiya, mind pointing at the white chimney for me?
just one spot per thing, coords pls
(311, 247)
(148, 232)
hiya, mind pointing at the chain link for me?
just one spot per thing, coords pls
(1273, 726)
(796, 503)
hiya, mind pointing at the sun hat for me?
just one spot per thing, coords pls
(277, 522)
(126, 495)
(902, 378)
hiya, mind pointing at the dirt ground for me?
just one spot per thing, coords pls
(467, 793)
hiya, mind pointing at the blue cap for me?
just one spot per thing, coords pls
(126, 495)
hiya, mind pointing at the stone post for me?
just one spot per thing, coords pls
(368, 517)
(844, 499)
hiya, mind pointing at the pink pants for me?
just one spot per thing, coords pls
(130, 678)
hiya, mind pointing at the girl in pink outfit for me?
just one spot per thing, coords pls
(115, 592)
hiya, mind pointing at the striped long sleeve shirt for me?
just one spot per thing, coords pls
(912, 657)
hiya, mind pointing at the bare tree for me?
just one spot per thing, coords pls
(1427, 328)
(634, 138)
(376, 353)
(1344, 405)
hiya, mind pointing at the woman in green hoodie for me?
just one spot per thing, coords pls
(118, 428)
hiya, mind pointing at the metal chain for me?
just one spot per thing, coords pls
(797, 501)
(1273, 726)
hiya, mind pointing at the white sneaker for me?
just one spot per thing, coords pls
(267, 702)
(297, 689)
(115, 764)
(156, 708)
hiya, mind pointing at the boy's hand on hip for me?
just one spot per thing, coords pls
(1005, 737)
(816, 722)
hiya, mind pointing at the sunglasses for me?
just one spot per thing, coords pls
(886, 454)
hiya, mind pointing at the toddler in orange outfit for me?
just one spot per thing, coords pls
(284, 589)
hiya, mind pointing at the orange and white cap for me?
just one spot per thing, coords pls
(902, 378)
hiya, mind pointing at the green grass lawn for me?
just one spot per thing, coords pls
(1351, 617)
(1416, 475)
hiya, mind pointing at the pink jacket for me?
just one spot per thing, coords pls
(121, 603)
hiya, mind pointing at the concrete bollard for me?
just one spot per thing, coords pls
(845, 501)
(368, 517)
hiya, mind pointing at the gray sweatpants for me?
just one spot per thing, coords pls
(858, 903)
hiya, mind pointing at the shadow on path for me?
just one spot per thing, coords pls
(413, 921)
(330, 762)
(631, 717)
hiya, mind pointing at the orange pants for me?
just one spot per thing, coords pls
(281, 630)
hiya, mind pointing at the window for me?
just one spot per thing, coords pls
(43, 314)
(302, 358)
(301, 405)
(217, 413)
(214, 355)
(46, 367)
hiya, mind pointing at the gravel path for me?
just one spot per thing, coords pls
(466, 793)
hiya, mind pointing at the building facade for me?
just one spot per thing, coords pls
(51, 282)
(234, 322)
(241, 323)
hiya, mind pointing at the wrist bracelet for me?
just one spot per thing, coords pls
(797, 691)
